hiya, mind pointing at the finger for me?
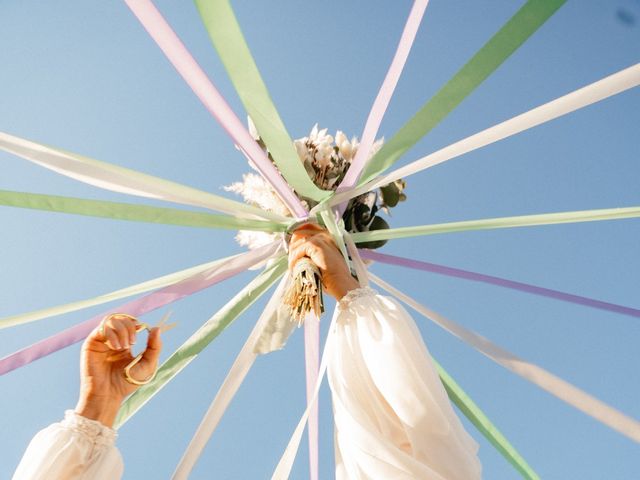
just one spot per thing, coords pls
(112, 340)
(305, 250)
(132, 331)
(151, 355)
(120, 328)
(309, 226)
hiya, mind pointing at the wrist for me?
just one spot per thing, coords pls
(103, 409)
(344, 286)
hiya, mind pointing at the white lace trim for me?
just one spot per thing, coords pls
(96, 432)
(354, 295)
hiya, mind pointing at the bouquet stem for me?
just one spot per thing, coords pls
(303, 293)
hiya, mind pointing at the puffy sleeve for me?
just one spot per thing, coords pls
(75, 449)
(393, 418)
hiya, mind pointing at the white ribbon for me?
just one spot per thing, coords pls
(124, 180)
(228, 389)
(538, 376)
(595, 92)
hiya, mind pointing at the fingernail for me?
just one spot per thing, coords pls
(116, 344)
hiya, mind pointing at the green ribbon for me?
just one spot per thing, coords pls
(506, 41)
(202, 338)
(470, 410)
(502, 222)
(135, 213)
(225, 33)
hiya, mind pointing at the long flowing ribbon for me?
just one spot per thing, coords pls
(228, 389)
(506, 41)
(283, 469)
(202, 338)
(477, 417)
(501, 222)
(133, 212)
(384, 94)
(529, 371)
(124, 180)
(137, 307)
(188, 68)
(500, 282)
(592, 93)
(226, 36)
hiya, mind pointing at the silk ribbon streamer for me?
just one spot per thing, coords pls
(199, 281)
(384, 95)
(204, 89)
(227, 38)
(502, 222)
(124, 180)
(529, 371)
(506, 41)
(500, 282)
(595, 92)
(477, 417)
(134, 213)
(202, 338)
(228, 389)
(283, 469)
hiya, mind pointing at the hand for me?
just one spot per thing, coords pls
(105, 354)
(314, 242)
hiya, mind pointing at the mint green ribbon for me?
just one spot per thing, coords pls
(202, 338)
(506, 41)
(225, 33)
(134, 213)
(484, 425)
(502, 222)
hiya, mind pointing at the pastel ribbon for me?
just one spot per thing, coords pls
(384, 95)
(202, 338)
(148, 303)
(500, 282)
(592, 93)
(228, 389)
(124, 180)
(502, 222)
(533, 373)
(477, 417)
(204, 89)
(506, 41)
(134, 213)
(226, 36)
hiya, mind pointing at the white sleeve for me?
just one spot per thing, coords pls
(75, 449)
(392, 415)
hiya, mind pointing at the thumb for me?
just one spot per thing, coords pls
(152, 353)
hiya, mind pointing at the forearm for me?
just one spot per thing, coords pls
(100, 408)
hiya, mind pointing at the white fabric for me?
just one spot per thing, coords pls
(393, 419)
(75, 449)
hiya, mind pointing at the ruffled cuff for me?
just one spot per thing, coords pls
(94, 431)
(354, 296)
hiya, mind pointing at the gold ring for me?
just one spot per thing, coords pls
(130, 379)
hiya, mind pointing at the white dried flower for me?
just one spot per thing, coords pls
(253, 240)
(255, 190)
(340, 137)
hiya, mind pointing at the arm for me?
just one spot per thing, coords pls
(82, 446)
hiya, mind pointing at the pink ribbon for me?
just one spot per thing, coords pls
(188, 68)
(140, 306)
(384, 96)
(500, 282)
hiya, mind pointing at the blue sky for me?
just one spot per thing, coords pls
(86, 77)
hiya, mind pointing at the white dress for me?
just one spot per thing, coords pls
(75, 449)
(393, 419)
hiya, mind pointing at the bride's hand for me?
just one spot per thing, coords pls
(314, 242)
(105, 354)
